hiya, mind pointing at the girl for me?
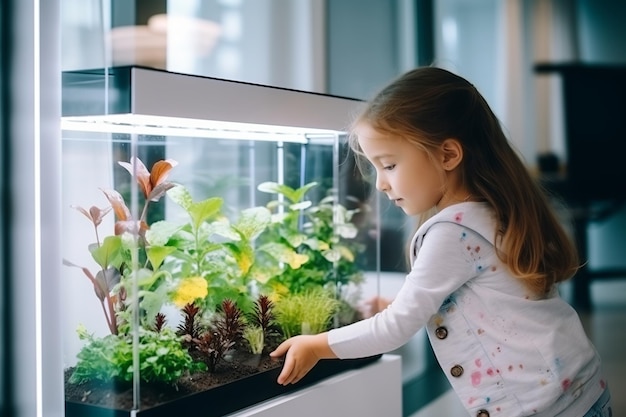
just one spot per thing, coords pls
(485, 264)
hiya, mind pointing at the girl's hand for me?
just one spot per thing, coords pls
(303, 352)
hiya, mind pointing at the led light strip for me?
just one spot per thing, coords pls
(173, 126)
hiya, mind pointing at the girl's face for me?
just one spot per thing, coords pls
(405, 173)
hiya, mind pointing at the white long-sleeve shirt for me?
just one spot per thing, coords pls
(504, 351)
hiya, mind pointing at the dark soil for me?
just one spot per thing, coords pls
(120, 395)
(239, 380)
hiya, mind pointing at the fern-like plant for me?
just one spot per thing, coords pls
(225, 331)
(190, 329)
(229, 322)
(159, 322)
(263, 316)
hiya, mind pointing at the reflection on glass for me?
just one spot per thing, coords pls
(166, 41)
(266, 42)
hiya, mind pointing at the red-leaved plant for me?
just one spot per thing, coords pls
(107, 253)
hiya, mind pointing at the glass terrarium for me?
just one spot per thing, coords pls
(204, 221)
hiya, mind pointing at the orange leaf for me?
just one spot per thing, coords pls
(160, 171)
(97, 214)
(117, 202)
(138, 170)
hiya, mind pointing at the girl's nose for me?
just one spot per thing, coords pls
(381, 184)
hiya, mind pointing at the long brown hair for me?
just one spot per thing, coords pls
(428, 105)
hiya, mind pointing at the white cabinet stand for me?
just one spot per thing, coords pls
(372, 391)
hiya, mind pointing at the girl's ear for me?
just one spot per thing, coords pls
(451, 154)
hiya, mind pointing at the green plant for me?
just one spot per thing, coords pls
(162, 358)
(255, 337)
(299, 255)
(205, 260)
(308, 312)
(216, 249)
(314, 244)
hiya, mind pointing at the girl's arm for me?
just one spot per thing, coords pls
(444, 263)
(302, 353)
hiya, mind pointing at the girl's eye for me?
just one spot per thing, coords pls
(389, 167)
